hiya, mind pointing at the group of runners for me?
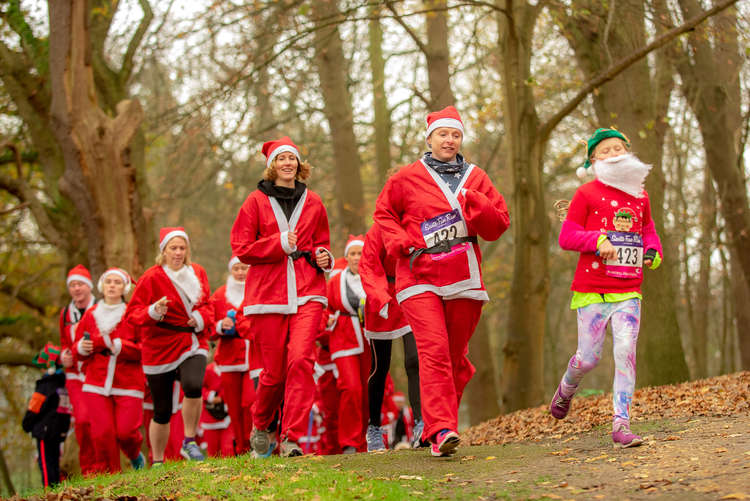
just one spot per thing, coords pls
(303, 341)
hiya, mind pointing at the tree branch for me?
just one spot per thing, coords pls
(14, 357)
(407, 28)
(611, 72)
(127, 61)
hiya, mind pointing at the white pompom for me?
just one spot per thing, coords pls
(581, 172)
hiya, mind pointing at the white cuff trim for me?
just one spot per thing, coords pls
(218, 327)
(211, 395)
(116, 346)
(384, 311)
(199, 321)
(285, 243)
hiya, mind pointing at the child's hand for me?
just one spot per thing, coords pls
(67, 359)
(607, 250)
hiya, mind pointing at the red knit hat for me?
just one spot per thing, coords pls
(168, 233)
(126, 278)
(81, 274)
(353, 241)
(273, 148)
(447, 117)
(47, 357)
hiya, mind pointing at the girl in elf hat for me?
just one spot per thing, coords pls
(281, 230)
(47, 416)
(609, 223)
(113, 386)
(171, 307)
(431, 214)
(232, 356)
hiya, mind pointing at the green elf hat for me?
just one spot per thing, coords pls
(47, 357)
(599, 135)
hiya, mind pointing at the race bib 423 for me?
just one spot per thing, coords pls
(629, 262)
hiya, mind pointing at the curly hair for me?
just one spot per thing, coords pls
(303, 171)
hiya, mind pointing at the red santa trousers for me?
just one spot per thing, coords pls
(328, 405)
(116, 426)
(219, 442)
(354, 371)
(287, 348)
(236, 386)
(442, 329)
(86, 452)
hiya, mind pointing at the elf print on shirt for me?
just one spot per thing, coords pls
(629, 246)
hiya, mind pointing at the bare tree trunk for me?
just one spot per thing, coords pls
(332, 71)
(710, 68)
(6, 475)
(481, 392)
(438, 56)
(380, 102)
(523, 366)
(99, 176)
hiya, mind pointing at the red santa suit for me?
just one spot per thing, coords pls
(176, 425)
(439, 286)
(326, 395)
(114, 384)
(285, 293)
(168, 341)
(232, 360)
(69, 318)
(351, 354)
(215, 426)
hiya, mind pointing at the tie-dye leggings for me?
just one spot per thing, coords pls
(625, 317)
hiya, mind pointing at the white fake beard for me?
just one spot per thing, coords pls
(107, 316)
(235, 292)
(187, 281)
(625, 173)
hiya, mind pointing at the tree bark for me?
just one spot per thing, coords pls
(481, 392)
(99, 175)
(332, 71)
(438, 56)
(380, 101)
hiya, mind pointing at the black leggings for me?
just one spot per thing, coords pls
(381, 364)
(190, 373)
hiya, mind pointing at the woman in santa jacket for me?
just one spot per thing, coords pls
(282, 231)
(232, 355)
(171, 307)
(385, 322)
(431, 213)
(114, 383)
(349, 350)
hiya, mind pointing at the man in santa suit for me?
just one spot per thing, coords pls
(79, 286)
(349, 349)
(282, 231)
(431, 213)
(232, 355)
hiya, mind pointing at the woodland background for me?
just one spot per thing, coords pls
(118, 117)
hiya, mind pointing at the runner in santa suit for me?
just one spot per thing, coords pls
(79, 286)
(113, 388)
(431, 213)
(349, 349)
(385, 322)
(171, 307)
(232, 356)
(215, 424)
(282, 231)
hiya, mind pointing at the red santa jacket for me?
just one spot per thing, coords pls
(383, 316)
(113, 368)
(167, 342)
(415, 204)
(69, 318)
(212, 388)
(345, 334)
(279, 283)
(232, 352)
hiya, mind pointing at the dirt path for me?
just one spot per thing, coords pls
(697, 458)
